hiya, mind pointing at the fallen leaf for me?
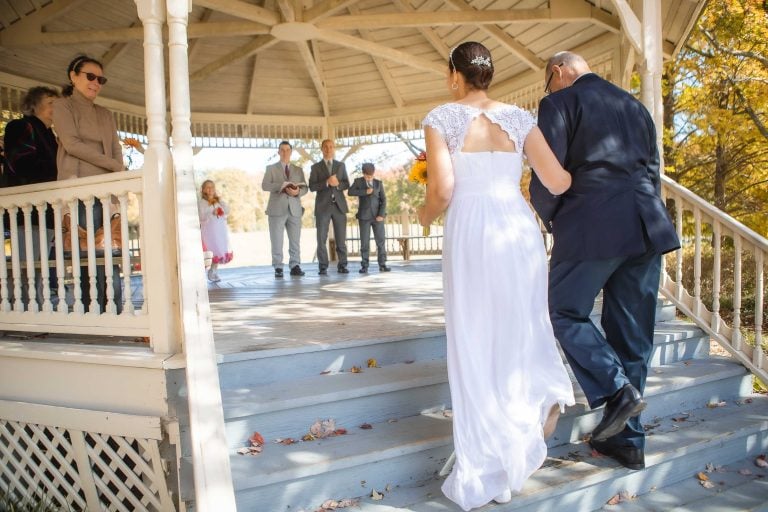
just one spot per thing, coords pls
(448, 413)
(707, 485)
(614, 501)
(286, 441)
(761, 462)
(323, 428)
(308, 437)
(388, 488)
(702, 476)
(679, 419)
(356, 369)
(715, 405)
(710, 467)
(256, 439)
(366, 426)
(688, 363)
(745, 472)
(243, 451)
(339, 431)
(372, 363)
(326, 372)
(392, 420)
(375, 496)
(348, 502)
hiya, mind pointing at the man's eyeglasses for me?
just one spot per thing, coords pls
(93, 76)
(549, 80)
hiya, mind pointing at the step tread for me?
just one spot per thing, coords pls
(240, 402)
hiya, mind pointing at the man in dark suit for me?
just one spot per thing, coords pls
(285, 184)
(370, 214)
(610, 230)
(328, 178)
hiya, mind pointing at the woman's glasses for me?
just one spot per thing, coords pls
(93, 76)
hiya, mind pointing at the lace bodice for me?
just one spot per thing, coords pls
(453, 119)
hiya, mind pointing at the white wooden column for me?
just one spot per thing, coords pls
(161, 284)
(210, 456)
(652, 67)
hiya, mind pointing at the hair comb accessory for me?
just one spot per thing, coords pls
(481, 61)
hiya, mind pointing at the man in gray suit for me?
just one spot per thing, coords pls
(328, 178)
(370, 214)
(286, 184)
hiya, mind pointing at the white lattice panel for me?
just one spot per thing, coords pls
(82, 471)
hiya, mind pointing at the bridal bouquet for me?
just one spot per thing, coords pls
(418, 174)
(219, 211)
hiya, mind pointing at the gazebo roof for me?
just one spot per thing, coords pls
(324, 65)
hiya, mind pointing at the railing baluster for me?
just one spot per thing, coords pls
(58, 242)
(126, 254)
(74, 221)
(29, 253)
(93, 305)
(679, 253)
(106, 218)
(5, 306)
(45, 269)
(716, 249)
(697, 261)
(736, 341)
(758, 355)
(18, 305)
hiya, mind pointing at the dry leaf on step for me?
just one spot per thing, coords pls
(702, 476)
(366, 426)
(356, 369)
(715, 405)
(614, 501)
(745, 472)
(761, 462)
(256, 439)
(372, 363)
(375, 496)
(323, 428)
(707, 485)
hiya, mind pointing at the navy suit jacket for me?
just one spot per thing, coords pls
(606, 139)
(371, 205)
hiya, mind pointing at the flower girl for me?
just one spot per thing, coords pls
(213, 227)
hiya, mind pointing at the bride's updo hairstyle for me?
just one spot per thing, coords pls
(473, 60)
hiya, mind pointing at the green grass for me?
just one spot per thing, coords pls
(36, 503)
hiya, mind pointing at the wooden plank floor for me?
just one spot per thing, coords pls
(251, 310)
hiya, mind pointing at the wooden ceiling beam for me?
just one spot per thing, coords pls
(429, 34)
(509, 43)
(315, 74)
(356, 43)
(30, 26)
(326, 8)
(287, 10)
(258, 44)
(194, 43)
(384, 72)
(241, 9)
(435, 19)
(116, 50)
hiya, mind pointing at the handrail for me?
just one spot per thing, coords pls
(717, 302)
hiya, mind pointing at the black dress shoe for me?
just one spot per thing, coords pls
(343, 270)
(384, 268)
(628, 456)
(363, 270)
(624, 404)
(278, 272)
(296, 271)
(323, 272)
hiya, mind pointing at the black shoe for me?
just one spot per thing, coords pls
(384, 268)
(343, 270)
(296, 271)
(363, 270)
(624, 404)
(323, 272)
(278, 272)
(628, 456)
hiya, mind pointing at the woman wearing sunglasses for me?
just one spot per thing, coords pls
(88, 146)
(88, 142)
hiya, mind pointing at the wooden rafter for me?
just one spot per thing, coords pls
(258, 44)
(356, 43)
(194, 43)
(631, 24)
(252, 89)
(30, 26)
(430, 35)
(511, 44)
(326, 8)
(386, 76)
(315, 74)
(436, 18)
(241, 9)
(116, 50)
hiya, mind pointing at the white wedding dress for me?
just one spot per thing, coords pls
(504, 369)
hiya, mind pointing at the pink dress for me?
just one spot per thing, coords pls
(214, 230)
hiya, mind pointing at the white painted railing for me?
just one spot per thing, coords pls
(56, 277)
(725, 264)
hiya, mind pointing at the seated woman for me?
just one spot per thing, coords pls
(88, 146)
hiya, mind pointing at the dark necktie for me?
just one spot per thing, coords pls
(287, 172)
(329, 165)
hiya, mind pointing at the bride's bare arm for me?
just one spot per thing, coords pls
(439, 177)
(545, 164)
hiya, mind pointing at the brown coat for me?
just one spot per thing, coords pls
(88, 142)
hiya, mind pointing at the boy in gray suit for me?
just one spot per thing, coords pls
(286, 184)
(370, 214)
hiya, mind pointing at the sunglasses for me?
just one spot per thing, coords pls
(93, 76)
(549, 80)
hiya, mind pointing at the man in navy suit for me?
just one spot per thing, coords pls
(610, 230)
(370, 214)
(328, 178)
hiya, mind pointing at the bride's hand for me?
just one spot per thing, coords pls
(420, 213)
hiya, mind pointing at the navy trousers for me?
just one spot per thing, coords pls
(603, 364)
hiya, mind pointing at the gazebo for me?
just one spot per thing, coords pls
(240, 73)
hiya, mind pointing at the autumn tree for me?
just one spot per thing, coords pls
(716, 111)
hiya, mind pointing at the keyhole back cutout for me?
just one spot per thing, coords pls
(484, 135)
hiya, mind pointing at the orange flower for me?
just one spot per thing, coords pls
(418, 172)
(134, 143)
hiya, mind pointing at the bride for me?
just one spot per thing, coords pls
(507, 380)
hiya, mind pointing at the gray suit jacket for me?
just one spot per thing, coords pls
(317, 183)
(279, 202)
(371, 205)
